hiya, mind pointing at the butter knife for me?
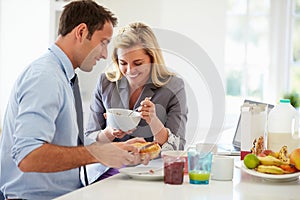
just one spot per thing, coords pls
(147, 146)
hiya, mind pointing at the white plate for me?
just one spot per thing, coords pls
(143, 173)
(272, 177)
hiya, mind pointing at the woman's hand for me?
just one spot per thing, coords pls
(147, 110)
(120, 134)
(116, 132)
(148, 113)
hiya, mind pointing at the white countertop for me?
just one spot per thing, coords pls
(243, 186)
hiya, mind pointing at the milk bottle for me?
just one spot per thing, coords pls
(283, 123)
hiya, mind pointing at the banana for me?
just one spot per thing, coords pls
(270, 160)
(270, 169)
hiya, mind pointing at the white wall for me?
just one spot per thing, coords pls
(24, 36)
(1, 71)
(26, 33)
(203, 21)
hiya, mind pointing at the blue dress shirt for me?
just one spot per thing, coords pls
(40, 110)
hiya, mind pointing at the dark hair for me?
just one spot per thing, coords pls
(84, 11)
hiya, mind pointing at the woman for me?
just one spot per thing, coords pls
(140, 80)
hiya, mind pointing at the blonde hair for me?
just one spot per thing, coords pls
(139, 34)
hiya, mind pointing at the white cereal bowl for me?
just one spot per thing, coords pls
(121, 119)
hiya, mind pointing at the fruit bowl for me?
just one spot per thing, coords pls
(122, 119)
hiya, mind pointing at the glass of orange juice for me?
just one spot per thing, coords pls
(199, 165)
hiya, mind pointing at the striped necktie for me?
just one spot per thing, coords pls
(78, 106)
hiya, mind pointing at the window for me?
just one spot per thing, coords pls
(247, 56)
(262, 50)
(295, 47)
(262, 53)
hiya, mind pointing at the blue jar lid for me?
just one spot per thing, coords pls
(285, 101)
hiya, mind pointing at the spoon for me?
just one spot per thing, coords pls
(136, 109)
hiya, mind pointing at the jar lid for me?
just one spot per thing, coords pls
(285, 101)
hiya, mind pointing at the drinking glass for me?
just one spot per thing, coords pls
(199, 165)
(173, 169)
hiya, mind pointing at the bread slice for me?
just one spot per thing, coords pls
(153, 150)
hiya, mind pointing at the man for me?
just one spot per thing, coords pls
(39, 155)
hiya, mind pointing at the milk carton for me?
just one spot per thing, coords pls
(253, 125)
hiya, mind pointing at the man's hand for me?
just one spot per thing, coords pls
(116, 154)
(147, 158)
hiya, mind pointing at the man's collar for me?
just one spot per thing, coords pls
(65, 62)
